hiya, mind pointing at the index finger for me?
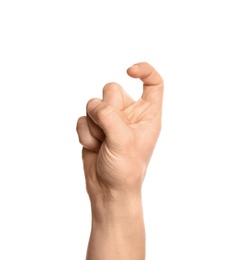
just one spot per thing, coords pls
(152, 80)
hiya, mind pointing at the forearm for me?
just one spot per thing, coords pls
(118, 231)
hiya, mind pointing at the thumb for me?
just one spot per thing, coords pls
(110, 119)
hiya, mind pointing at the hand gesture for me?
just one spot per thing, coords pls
(119, 134)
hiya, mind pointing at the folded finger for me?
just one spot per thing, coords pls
(95, 130)
(115, 95)
(86, 139)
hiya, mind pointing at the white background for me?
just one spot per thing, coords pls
(56, 55)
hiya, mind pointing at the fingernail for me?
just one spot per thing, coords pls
(135, 66)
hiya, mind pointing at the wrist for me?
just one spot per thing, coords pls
(118, 210)
(118, 225)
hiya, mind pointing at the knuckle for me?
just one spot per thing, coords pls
(92, 103)
(111, 86)
(89, 103)
(105, 112)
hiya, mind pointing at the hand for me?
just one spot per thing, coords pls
(118, 137)
(119, 134)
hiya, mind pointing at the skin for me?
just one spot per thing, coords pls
(118, 136)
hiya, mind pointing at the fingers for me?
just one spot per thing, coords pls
(152, 81)
(95, 130)
(106, 117)
(115, 95)
(85, 137)
(109, 119)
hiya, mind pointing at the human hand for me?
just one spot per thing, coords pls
(119, 135)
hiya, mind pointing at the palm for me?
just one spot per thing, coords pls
(141, 111)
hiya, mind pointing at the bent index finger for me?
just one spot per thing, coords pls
(152, 80)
